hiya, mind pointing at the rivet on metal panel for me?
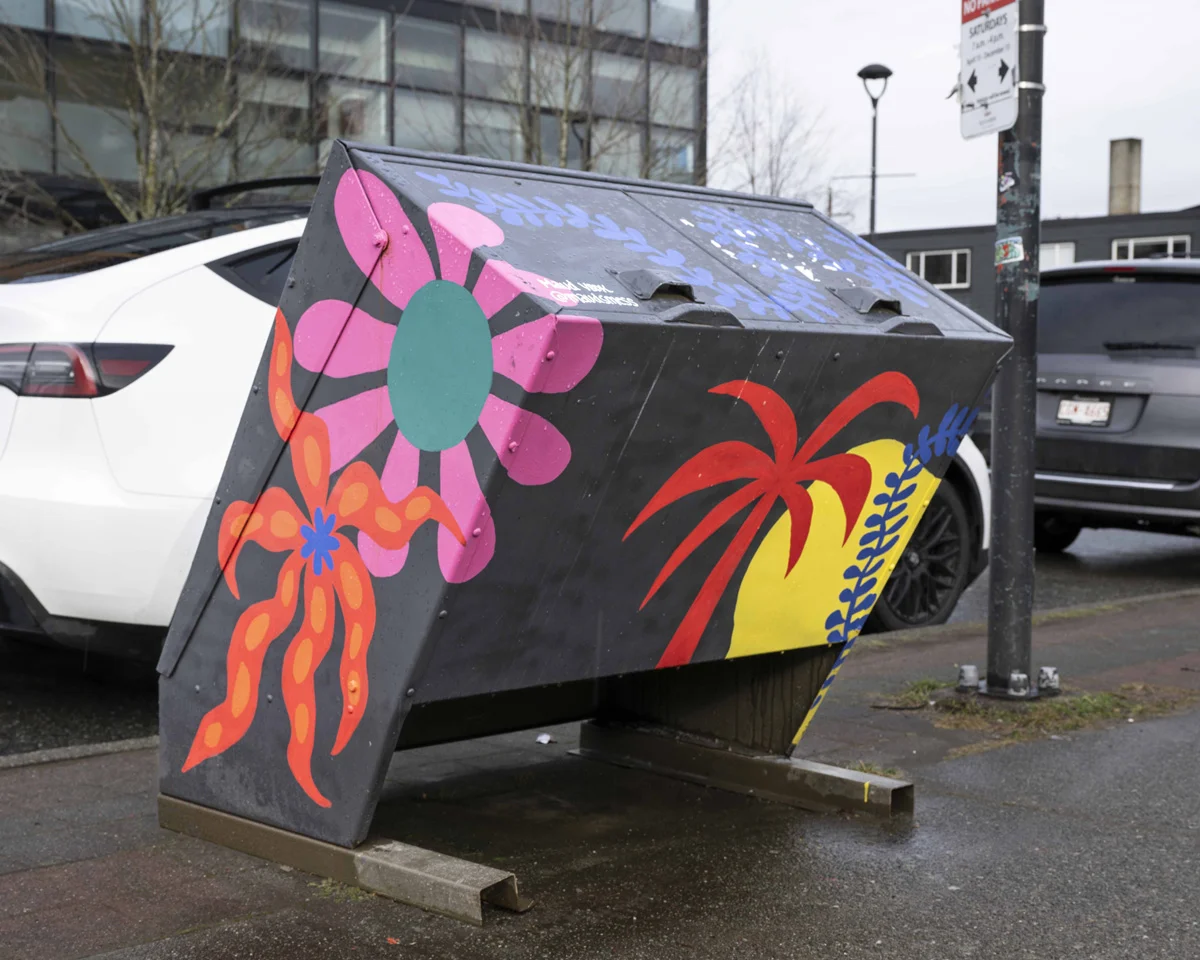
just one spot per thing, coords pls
(197, 688)
(254, 389)
(270, 698)
(512, 447)
(380, 238)
(217, 500)
(550, 355)
(476, 532)
(409, 692)
(837, 356)
(778, 354)
(443, 614)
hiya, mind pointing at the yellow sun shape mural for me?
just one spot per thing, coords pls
(777, 610)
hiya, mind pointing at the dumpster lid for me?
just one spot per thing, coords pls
(681, 253)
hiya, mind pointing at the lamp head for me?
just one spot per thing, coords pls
(877, 72)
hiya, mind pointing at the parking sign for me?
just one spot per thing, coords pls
(989, 68)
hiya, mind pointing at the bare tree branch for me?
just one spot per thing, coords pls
(765, 141)
(190, 96)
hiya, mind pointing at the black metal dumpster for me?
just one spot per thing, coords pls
(529, 445)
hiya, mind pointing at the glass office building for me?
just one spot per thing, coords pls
(615, 86)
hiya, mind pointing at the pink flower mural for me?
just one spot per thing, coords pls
(441, 360)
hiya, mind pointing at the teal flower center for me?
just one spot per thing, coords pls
(440, 370)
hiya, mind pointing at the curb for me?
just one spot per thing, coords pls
(78, 752)
(877, 643)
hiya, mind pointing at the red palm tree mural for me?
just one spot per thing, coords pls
(771, 479)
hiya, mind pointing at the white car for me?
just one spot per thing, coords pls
(126, 356)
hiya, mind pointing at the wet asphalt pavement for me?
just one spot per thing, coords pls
(51, 698)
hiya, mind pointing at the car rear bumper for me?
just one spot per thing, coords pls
(1120, 501)
(21, 614)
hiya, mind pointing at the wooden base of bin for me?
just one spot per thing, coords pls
(432, 881)
(801, 783)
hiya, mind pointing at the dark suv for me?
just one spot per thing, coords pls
(1118, 406)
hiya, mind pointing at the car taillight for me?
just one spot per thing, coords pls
(75, 370)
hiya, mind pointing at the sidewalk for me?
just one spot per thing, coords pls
(1086, 846)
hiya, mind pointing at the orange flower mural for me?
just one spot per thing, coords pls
(323, 567)
(770, 479)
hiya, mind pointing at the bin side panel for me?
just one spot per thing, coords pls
(568, 598)
(273, 705)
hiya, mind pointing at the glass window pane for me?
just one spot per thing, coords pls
(23, 13)
(274, 135)
(675, 21)
(673, 95)
(353, 41)
(561, 11)
(672, 155)
(93, 91)
(512, 6)
(962, 273)
(25, 119)
(349, 111)
(494, 66)
(617, 148)
(1150, 248)
(198, 26)
(556, 76)
(1056, 254)
(279, 30)
(620, 16)
(426, 54)
(104, 141)
(939, 268)
(618, 86)
(204, 161)
(100, 19)
(493, 131)
(426, 121)
(561, 141)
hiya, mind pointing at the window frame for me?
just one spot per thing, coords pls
(1170, 239)
(1057, 245)
(955, 283)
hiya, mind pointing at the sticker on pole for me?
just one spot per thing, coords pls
(1010, 250)
(988, 74)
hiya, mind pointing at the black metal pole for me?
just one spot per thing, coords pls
(1014, 396)
(874, 131)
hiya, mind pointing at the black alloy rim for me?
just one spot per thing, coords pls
(926, 574)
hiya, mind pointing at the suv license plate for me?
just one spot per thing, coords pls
(1087, 413)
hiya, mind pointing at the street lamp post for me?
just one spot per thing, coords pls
(874, 71)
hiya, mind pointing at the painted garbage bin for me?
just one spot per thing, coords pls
(529, 445)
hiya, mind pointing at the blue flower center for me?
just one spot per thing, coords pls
(319, 541)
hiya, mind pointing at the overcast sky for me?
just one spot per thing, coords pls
(1114, 68)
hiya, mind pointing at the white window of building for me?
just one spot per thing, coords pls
(946, 269)
(1136, 248)
(1056, 254)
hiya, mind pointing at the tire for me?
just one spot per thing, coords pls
(932, 571)
(1053, 533)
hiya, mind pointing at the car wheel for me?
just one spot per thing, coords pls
(932, 571)
(1053, 534)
